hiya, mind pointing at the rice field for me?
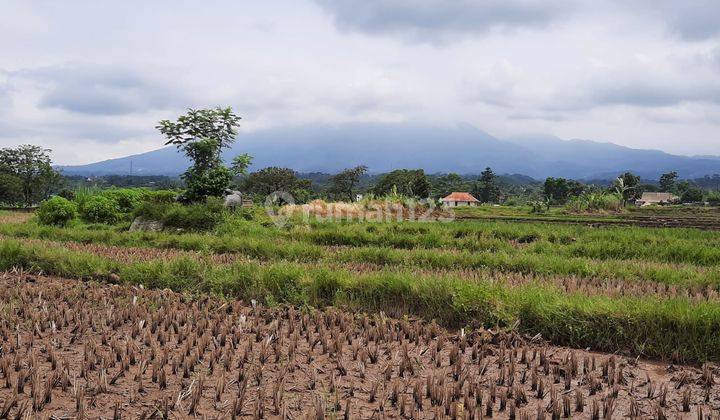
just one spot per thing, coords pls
(88, 350)
(638, 291)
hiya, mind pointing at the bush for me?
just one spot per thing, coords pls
(67, 194)
(594, 202)
(161, 196)
(538, 206)
(56, 211)
(194, 216)
(125, 199)
(99, 209)
(713, 198)
(692, 195)
(151, 210)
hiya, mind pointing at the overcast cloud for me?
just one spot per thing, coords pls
(91, 79)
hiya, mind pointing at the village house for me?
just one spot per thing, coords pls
(460, 199)
(650, 198)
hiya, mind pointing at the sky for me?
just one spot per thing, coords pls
(91, 79)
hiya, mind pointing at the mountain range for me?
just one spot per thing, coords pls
(436, 149)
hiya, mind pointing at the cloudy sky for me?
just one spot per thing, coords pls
(90, 79)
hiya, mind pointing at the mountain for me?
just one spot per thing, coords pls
(387, 146)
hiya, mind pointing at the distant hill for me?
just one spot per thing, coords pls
(384, 147)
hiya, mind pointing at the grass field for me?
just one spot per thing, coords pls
(637, 290)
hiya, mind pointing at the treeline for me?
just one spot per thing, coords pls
(631, 187)
(27, 176)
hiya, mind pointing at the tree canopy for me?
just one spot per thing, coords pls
(667, 181)
(202, 134)
(342, 185)
(559, 190)
(411, 183)
(31, 169)
(487, 188)
(273, 179)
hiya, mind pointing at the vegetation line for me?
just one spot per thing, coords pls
(676, 329)
(538, 260)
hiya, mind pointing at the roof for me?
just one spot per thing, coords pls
(658, 197)
(461, 196)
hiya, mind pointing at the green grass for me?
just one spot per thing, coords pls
(653, 327)
(671, 256)
(418, 268)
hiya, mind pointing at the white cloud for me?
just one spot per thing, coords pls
(90, 80)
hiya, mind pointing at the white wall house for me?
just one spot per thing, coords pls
(460, 199)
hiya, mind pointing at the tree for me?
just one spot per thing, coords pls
(31, 165)
(446, 184)
(692, 194)
(11, 189)
(343, 184)
(628, 186)
(689, 192)
(488, 191)
(273, 179)
(240, 164)
(202, 134)
(667, 181)
(559, 190)
(411, 183)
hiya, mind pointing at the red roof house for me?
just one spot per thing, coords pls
(460, 199)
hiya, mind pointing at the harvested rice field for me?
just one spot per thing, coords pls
(629, 316)
(74, 349)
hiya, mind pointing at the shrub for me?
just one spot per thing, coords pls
(57, 211)
(593, 202)
(67, 194)
(161, 196)
(99, 209)
(538, 206)
(151, 210)
(125, 199)
(194, 216)
(692, 195)
(713, 198)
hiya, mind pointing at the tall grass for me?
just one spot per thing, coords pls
(654, 327)
(543, 258)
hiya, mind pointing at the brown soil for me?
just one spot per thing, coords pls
(90, 350)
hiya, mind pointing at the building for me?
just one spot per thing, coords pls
(650, 198)
(460, 199)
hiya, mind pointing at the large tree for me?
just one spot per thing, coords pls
(342, 185)
(11, 189)
(411, 183)
(559, 190)
(273, 179)
(202, 134)
(667, 181)
(448, 183)
(31, 165)
(487, 188)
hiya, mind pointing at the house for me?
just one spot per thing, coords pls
(460, 199)
(650, 198)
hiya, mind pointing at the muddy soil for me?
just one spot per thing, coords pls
(84, 350)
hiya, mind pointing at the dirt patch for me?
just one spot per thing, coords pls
(73, 349)
(15, 217)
